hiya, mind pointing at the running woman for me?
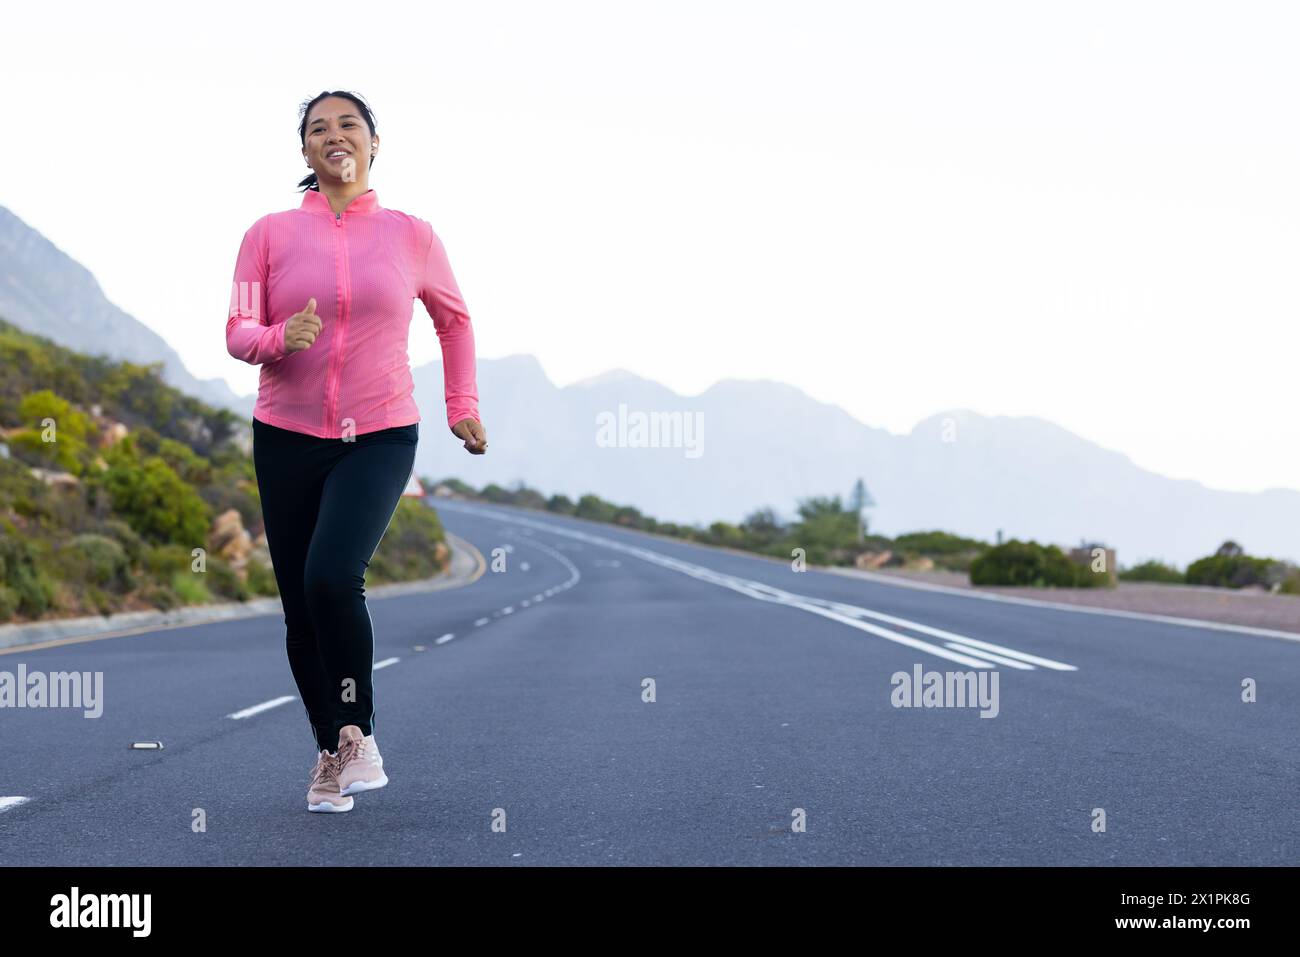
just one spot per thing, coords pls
(322, 301)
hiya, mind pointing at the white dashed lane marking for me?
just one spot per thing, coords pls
(264, 706)
(9, 803)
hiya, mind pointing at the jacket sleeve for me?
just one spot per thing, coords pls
(441, 297)
(249, 333)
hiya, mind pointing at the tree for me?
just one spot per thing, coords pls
(859, 501)
(763, 527)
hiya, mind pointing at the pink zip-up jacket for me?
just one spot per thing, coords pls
(365, 268)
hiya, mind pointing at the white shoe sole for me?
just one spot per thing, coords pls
(329, 808)
(356, 787)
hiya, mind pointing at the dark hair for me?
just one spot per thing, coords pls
(309, 181)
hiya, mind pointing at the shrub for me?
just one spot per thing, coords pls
(190, 588)
(98, 561)
(408, 549)
(1152, 571)
(1028, 563)
(1291, 583)
(1229, 571)
(69, 449)
(159, 596)
(125, 536)
(152, 498)
(557, 503)
(8, 602)
(223, 580)
(937, 543)
(260, 579)
(20, 572)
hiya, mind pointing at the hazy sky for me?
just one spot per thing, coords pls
(1085, 212)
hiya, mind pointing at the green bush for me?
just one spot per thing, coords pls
(190, 588)
(560, 504)
(1291, 583)
(98, 561)
(762, 528)
(125, 536)
(1028, 563)
(224, 581)
(1229, 571)
(21, 574)
(68, 451)
(937, 543)
(8, 602)
(162, 561)
(159, 596)
(152, 498)
(727, 535)
(595, 508)
(1152, 571)
(193, 469)
(826, 532)
(260, 579)
(407, 550)
(100, 600)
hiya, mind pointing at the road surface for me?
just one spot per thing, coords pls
(523, 732)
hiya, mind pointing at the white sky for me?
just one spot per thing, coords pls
(1085, 212)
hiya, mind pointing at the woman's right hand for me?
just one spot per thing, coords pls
(301, 329)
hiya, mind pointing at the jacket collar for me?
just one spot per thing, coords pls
(314, 201)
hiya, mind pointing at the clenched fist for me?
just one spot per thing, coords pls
(473, 434)
(301, 329)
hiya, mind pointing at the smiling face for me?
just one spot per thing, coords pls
(338, 143)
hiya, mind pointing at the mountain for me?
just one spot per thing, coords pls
(759, 443)
(765, 443)
(44, 291)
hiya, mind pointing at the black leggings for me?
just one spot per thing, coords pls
(326, 504)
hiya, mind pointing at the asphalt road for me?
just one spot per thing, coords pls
(773, 707)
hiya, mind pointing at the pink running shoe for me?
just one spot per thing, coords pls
(361, 768)
(323, 794)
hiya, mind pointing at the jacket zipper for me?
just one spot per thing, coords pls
(336, 357)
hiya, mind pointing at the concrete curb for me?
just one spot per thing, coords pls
(467, 564)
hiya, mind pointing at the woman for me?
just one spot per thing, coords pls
(322, 299)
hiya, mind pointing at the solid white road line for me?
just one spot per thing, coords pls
(1009, 662)
(264, 706)
(952, 636)
(977, 646)
(838, 611)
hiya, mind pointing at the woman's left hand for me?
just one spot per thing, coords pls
(473, 434)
